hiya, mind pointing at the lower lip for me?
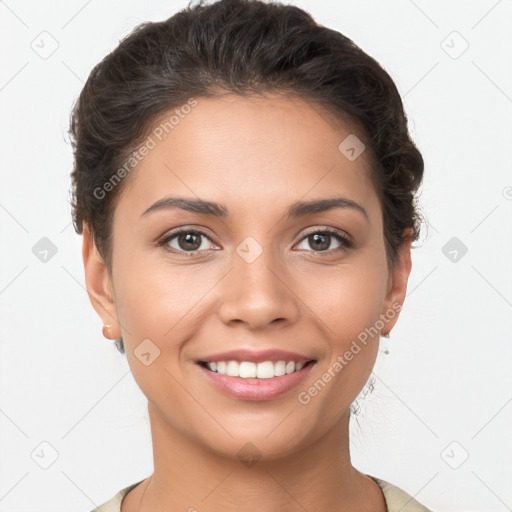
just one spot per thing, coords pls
(256, 389)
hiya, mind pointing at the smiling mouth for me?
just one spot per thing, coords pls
(251, 370)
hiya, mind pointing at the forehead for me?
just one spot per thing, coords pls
(251, 152)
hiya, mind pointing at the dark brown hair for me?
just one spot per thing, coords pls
(244, 47)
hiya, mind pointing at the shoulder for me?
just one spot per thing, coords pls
(114, 503)
(397, 499)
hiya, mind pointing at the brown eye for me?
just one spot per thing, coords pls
(186, 241)
(320, 241)
(189, 241)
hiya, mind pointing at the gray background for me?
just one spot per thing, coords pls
(73, 424)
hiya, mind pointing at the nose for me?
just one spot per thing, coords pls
(258, 294)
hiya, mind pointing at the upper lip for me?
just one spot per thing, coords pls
(256, 356)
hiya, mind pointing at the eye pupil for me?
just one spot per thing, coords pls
(186, 241)
(191, 241)
(322, 245)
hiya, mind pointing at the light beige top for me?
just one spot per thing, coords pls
(396, 499)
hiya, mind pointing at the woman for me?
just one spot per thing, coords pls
(245, 185)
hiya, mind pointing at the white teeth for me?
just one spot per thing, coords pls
(265, 370)
(232, 369)
(248, 369)
(279, 368)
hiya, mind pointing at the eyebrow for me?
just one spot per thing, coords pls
(298, 209)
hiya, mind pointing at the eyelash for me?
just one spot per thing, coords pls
(338, 235)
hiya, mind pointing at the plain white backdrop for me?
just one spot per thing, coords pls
(73, 424)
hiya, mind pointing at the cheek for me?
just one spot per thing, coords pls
(153, 294)
(167, 303)
(348, 303)
(164, 303)
(349, 298)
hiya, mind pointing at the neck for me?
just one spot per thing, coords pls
(191, 477)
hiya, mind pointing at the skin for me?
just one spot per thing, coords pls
(257, 156)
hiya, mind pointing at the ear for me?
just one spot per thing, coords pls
(397, 282)
(98, 283)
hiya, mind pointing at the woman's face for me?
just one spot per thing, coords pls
(254, 273)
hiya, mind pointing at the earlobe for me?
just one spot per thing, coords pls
(98, 284)
(398, 279)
